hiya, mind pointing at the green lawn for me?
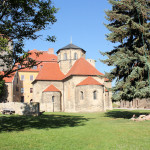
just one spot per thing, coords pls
(75, 131)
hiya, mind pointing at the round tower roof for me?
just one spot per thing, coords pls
(70, 46)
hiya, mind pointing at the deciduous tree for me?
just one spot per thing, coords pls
(20, 20)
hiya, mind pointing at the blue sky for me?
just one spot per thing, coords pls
(83, 21)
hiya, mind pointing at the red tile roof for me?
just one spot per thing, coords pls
(39, 66)
(39, 56)
(89, 81)
(42, 56)
(83, 67)
(50, 71)
(51, 88)
(10, 78)
(1, 72)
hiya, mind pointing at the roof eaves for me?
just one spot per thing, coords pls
(71, 48)
(91, 84)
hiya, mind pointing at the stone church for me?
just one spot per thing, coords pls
(66, 82)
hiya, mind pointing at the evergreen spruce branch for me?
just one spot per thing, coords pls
(113, 15)
(131, 66)
(122, 5)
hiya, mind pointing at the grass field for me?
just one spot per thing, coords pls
(112, 130)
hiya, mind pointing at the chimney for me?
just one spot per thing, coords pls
(50, 51)
(91, 61)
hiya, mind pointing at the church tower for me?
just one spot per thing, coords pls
(68, 55)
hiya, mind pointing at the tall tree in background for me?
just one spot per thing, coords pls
(20, 20)
(130, 29)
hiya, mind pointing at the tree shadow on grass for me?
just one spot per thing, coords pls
(124, 114)
(45, 121)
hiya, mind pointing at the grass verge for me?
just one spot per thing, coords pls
(112, 130)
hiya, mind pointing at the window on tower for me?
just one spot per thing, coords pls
(75, 56)
(65, 56)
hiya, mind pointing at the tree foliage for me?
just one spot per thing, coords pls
(2, 82)
(20, 20)
(129, 25)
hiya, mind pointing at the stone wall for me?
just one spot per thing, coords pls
(21, 108)
(69, 99)
(88, 103)
(108, 95)
(48, 107)
(40, 86)
(108, 101)
(49, 104)
(65, 65)
(71, 95)
(136, 103)
(91, 61)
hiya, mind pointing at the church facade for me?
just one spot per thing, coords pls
(66, 82)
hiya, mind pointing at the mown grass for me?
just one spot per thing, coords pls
(112, 130)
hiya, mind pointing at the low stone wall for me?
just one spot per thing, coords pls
(136, 103)
(21, 108)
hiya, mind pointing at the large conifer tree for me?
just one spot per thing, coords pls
(129, 25)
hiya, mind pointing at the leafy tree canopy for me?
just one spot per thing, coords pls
(129, 25)
(20, 20)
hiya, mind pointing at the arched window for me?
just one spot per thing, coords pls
(53, 99)
(94, 95)
(65, 56)
(75, 56)
(81, 95)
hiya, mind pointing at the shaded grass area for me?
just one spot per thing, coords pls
(75, 131)
(126, 114)
(20, 123)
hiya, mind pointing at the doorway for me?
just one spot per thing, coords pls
(22, 99)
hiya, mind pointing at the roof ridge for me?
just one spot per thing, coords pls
(50, 71)
(83, 67)
(89, 81)
(71, 46)
(51, 88)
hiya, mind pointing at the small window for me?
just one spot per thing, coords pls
(65, 56)
(34, 67)
(22, 90)
(94, 95)
(22, 99)
(75, 56)
(53, 99)
(31, 90)
(81, 95)
(22, 77)
(17, 80)
(31, 77)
